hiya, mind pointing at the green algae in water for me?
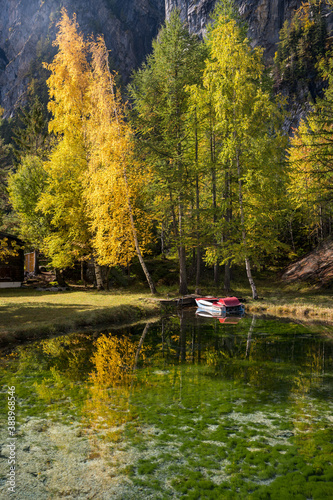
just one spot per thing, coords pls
(208, 410)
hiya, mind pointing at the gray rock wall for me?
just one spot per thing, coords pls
(28, 27)
(264, 17)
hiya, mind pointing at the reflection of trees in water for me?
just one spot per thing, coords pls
(249, 336)
(184, 341)
(262, 353)
(65, 360)
(70, 354)
(312, 437)
(113, 361)
(114, 377)
(58, 368)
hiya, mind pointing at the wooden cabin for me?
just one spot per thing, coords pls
(11, 266)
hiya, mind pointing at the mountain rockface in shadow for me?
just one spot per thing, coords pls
(28, 27)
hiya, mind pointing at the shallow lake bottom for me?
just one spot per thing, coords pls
(186, 407)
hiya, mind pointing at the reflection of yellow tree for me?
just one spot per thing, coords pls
(114, 360)
(65, 358)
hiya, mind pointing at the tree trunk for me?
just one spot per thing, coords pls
(82, 274)
(144, 267)
(162, 240)
(247, 260)
(228, 218)
(181, 251)
(82, 271)
(98, 275)
(213, 172)
(292, 235)
(182, 256)
(198, 267)
(321, 224)
(250, 278)
(107, 280)
(216, 274)
(197, 201)
(227, 277)
(136, 241)
(60, 278)
(182, 271)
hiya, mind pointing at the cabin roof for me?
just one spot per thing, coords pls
(11, 237)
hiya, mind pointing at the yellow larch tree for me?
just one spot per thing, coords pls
(310, 176)
(93, 189)
(62, 201)
(115, 180)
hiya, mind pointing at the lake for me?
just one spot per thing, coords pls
(183, 407)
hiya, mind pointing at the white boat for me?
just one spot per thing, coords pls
(220, 306)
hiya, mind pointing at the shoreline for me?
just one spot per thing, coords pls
(294, 311)
(29, 315)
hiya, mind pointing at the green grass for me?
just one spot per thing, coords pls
(26, 313)
(298, 300)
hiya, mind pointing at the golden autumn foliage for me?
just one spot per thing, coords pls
(310, 175)
(114, 361)
(62, 201)
(69, 78)
(8, 249)
(301, 180)
(93, 195)
(115, 180)
(113, 377)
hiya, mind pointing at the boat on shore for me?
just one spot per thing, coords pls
(220, 306)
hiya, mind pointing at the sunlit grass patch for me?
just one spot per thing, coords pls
(29, 313)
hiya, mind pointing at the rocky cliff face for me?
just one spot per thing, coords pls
(28, 27)
(265, 18)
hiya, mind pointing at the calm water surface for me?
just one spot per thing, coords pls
(185, 407)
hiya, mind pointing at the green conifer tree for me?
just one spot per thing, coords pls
(160, 116)
(250, 147)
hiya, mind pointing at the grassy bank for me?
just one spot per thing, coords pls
(298, 300)
(27, 314)
(301, 301)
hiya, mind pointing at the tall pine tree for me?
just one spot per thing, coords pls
(160, 115)
(248, 144)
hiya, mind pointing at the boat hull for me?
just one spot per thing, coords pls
(211, 309)
(221, 307)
